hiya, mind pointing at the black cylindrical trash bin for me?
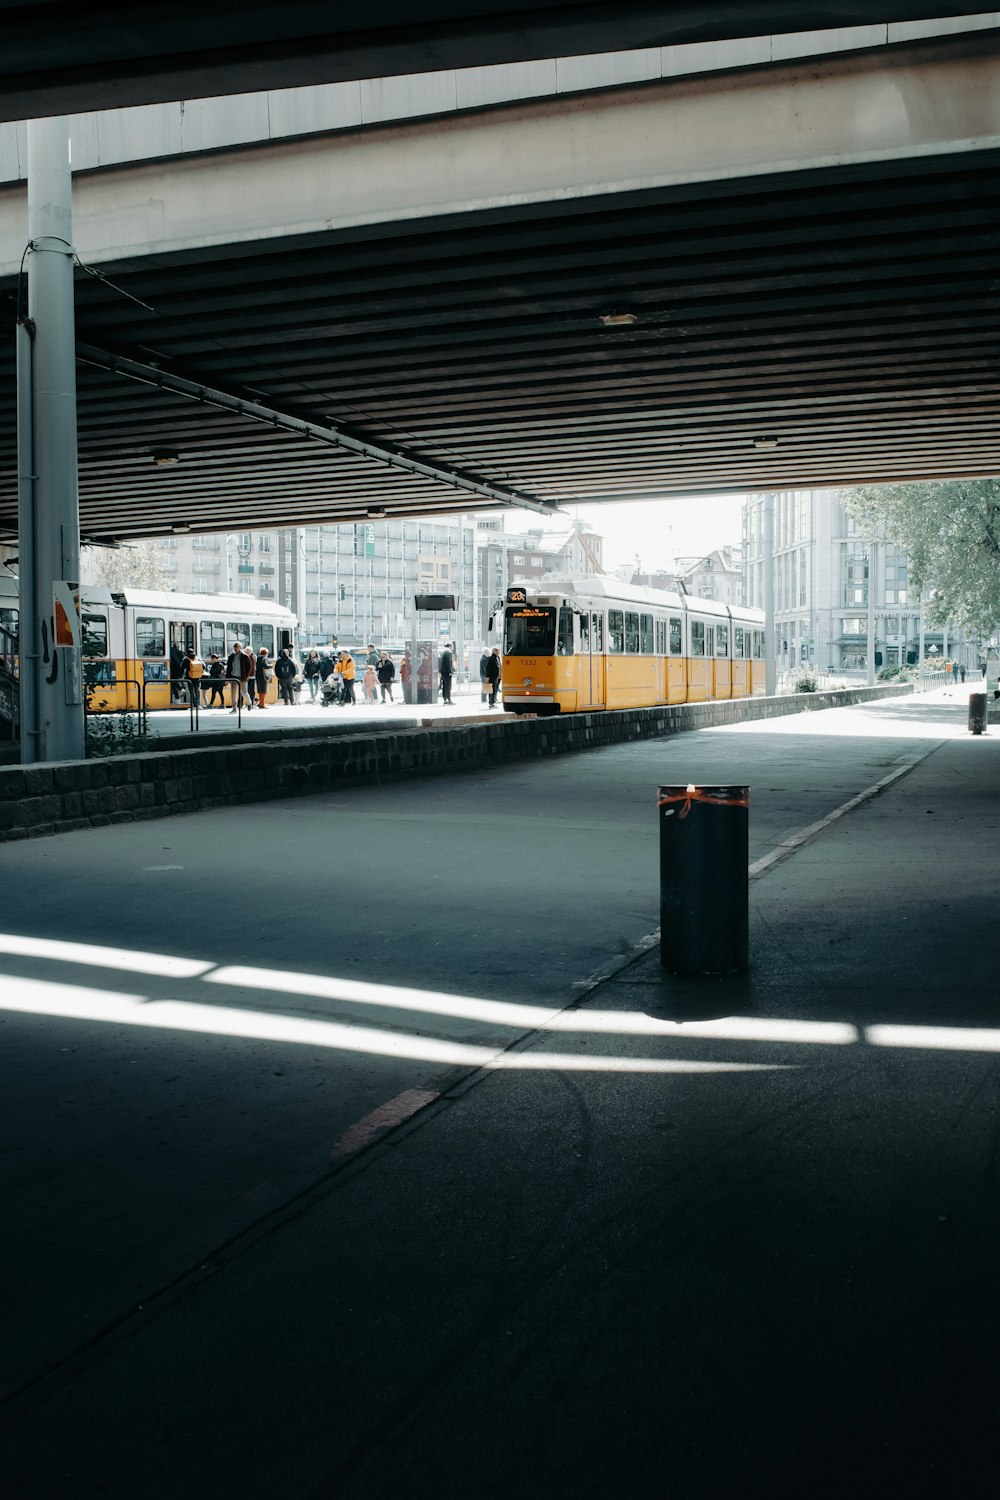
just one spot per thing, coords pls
(977, 712)
(704, 893)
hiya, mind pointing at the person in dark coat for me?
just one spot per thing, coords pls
(446, 669)
(216, 676)
(262, 675)
(484, 676)
(493, 670)
(285, 669)
(386, 676)
(239, 670)
(312, 671)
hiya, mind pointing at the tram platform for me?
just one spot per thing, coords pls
(359, 1144)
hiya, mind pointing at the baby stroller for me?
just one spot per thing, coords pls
(332, 690)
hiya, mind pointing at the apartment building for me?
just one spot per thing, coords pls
(823, 565)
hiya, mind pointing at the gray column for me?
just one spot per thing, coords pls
(770, 663)
(49, 510)
(872, 570)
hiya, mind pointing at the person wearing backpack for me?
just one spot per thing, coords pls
(192, 671)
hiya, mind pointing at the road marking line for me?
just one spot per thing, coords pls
(398, 1110)
(760, 867)
(806, 835)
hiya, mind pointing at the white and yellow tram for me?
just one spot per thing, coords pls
(133, 640)
(572, 644)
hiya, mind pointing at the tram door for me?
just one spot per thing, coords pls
(592, 660)
(183, 639)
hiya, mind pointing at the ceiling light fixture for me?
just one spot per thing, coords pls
(375, 513)
(166, 456)
(181, 526)
(620, 319)
(765, 442)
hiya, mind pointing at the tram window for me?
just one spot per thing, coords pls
(631, 633)
(616, 632)
(237, 630)
(213, 638)
(709, 640)
(585, 633)
(722, 640)
(529, 630)
(95, 635)
(758, 644)
(564, 642)
(150, 638)
(738, 640)
(263, 635)
(676, 637)
(661, 637)
(598, 623)
(697, 638)
(646, 628)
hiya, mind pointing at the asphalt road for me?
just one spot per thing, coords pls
(261, 992)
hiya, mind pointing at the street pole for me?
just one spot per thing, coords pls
(920, 646)
(872, 562)
(49, 509)
(770, 662)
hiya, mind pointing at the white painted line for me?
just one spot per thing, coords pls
(806, 835)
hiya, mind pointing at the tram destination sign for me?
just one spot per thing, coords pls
(517, 596)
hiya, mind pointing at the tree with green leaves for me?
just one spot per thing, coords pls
(951, 532)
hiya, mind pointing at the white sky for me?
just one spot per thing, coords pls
(656, 531)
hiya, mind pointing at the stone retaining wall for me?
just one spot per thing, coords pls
(69, 795)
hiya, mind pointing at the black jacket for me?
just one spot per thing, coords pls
(446, 664)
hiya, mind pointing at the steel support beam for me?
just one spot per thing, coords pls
(256, 411)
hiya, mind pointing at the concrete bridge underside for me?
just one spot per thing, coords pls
(62, 58)
(806, 256)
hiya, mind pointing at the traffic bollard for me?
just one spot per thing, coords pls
(977, 713)
(704, 890)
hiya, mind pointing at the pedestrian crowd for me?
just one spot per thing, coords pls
(329, 676)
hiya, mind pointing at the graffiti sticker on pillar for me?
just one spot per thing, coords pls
(66, 614)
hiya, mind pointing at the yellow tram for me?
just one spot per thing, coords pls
(131, 638)
(572, 644)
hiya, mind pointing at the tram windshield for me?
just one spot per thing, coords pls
(529, 631)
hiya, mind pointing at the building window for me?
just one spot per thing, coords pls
(244, 585)
(518, 561)
(855, 572)
(263, 542)
(895, 576)
(854, 625)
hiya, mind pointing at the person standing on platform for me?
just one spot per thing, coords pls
(192, 671)
(348, 673)
(386, 674)
(239, 670)
(493, 670)
(263, 673)
(962, 672)
(311, 671)
(285, 670)
(216, 677)
(484, 676)
(370, 684)
(446, 669)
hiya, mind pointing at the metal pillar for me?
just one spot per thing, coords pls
(920, 645)
(872, 561)
(770, 662)
(49, 512)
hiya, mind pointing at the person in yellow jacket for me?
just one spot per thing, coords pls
(346, 665)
